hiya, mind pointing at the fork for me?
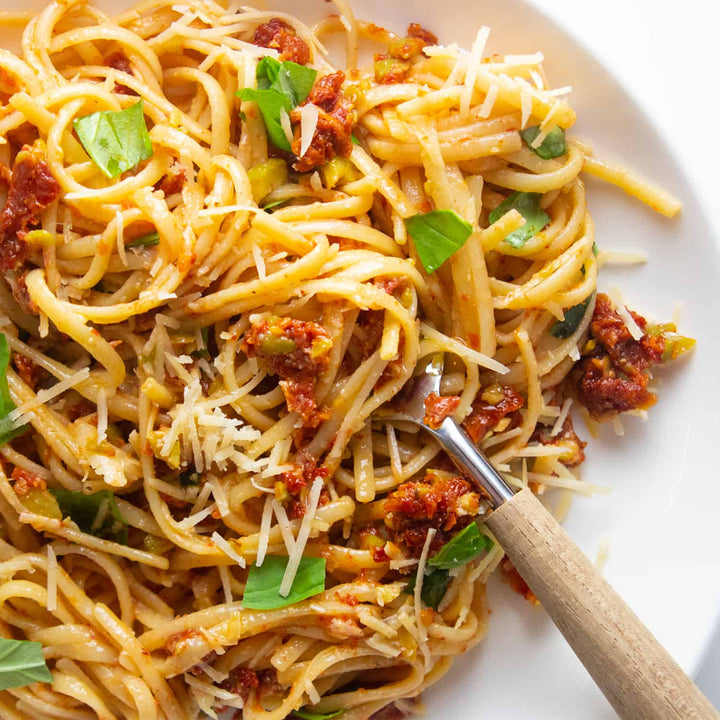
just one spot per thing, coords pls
(635, 673)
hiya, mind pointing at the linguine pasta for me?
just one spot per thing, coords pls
(209, 300)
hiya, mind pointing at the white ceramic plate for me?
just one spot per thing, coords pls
(661, 516)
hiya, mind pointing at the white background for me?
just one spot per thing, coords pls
(667, 54)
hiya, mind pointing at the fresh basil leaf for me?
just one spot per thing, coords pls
(307, 715)
(270, 103)
(292, 80)
(96, 514)
(8, 431)
(435, 585)
(461, 549)
(573, 317)
(552, 146)
(437, 235)
(296, 81)
(267, 72)
(280, 86)
(528, 205)
(22, 663)
(262, 590)
(354, 139)
(116, 141)
(145, 240)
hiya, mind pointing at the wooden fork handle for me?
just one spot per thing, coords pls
(636, 674)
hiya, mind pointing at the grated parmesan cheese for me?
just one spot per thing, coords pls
(633, 328)
(285, 124)
(489, 102)
(302, 538)
(264, 538)
(476, 55)
(192, 520)
(18, 415)
(228, 549)
(557, 427)
(284, 525)
(224, 573)
(309, 115)
(102, 416)
(525, 106)
(419, 582)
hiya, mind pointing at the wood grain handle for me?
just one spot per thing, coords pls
(636, 674)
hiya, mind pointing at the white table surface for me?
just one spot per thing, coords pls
(666, 54)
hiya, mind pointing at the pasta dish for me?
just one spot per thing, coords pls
(223, 257)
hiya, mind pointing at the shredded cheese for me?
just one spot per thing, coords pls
(476, 55)
(102, 416)
(309, 115)
(633, 328)
(228, 549)
(462, 350)
(18, 415)
(557, 427)
(302, 538)
(285, 124)
(264, 537)
(224, 573)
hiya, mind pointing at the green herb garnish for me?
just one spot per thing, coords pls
(552, 146)
(308, 715)
(435, 585)
(528, 205)
(262, 590)
(145, 240)
(96, 514)
(573, 317)
(7, 428)
(437, 235)
(22, 663)
(115, 141)
(463, 548)
(460, 550)
(280, 86)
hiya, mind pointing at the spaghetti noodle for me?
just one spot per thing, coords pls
(222, 257)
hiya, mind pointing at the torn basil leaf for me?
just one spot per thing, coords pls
(435, 585)
(115, 141)
(528, 205)
(145, 240)
(262, 590)
(437, 235)
(461, 549)
(8, 431)
(96, 514)
(552, 146)
(573, 317)
(458, 551)
(280, 86)
(22, 663)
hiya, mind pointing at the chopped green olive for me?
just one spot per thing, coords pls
(41, 502)
(385, 66)
(337, 172)
(276, 345)
(267, 176)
